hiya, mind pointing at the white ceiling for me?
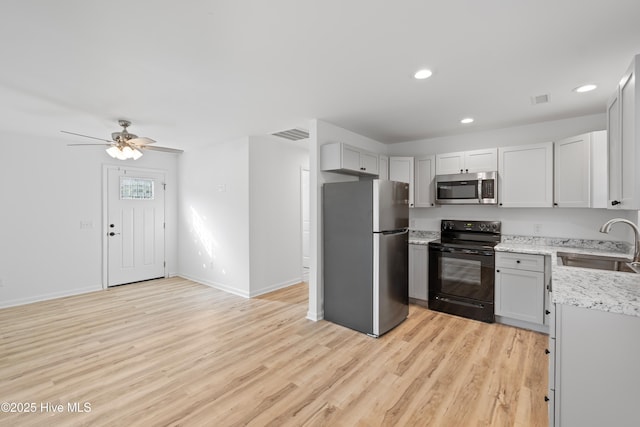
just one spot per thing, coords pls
(196, 72)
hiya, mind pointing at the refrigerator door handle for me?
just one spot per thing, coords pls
(399, 231)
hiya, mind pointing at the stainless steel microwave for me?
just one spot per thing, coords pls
(467, 189)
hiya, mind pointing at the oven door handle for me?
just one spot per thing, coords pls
(477, 252)
(464, 251)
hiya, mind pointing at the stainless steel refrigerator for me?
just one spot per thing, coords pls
(366, 254)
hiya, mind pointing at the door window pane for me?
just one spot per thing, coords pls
(136, 188)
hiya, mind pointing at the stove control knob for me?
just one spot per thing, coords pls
(483, 227)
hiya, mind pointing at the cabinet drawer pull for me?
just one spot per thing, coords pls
(546, 351)
(518, 261)
(547, 312)
(546, 398)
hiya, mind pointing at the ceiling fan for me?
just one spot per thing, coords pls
(124, 145)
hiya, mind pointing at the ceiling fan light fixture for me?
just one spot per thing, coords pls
(113, 151)
(121, 155)
(136, 154)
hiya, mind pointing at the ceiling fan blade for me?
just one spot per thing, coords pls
(165, 149)
(142, 140)
(86, 145)
(86, 136)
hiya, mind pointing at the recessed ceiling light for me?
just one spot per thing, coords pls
(466, 120)
(422, 74)
(585, 88)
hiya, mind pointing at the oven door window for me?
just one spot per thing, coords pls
(468, 276)
(458, 190)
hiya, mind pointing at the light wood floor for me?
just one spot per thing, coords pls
(173, 352)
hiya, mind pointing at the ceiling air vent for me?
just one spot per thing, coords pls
(540, 99)
(293, 134)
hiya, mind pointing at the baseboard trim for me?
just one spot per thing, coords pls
(216, 285)
(316, 317)
(523, 324)
(275, 287)
(49, 296)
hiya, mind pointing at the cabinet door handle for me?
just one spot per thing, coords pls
(547, 312)
(497, 271)
(517, 261)
(546, 398)
(546, 351)
(466, 170)
(615, 202)
(460, 170)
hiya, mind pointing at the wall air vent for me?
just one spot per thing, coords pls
(540, 99)
(293, 134)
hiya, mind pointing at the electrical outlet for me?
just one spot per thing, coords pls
(537, 229)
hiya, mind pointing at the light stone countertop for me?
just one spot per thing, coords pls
(611, 291)
(420, 237)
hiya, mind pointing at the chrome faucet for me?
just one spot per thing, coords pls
(606, 227)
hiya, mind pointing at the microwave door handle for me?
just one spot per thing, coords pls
(479, 189)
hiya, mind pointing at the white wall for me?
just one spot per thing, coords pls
(554, 222)
(214, 216)
(275, 166)
(47, 189)
(321, 133)
(239, 221)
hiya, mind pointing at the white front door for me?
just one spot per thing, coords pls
(135, 225)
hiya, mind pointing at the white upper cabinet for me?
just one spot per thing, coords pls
(343, 158)
(624, 140)
(580, 167)
(425, 172)
(525, 175)
(449, 163)
(614, 157)
(383, 172)
(401, 170)
(485, 160)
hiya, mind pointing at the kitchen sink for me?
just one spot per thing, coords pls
(572, 259)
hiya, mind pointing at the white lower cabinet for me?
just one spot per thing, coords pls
(418, 272)
(594, 368)
(520, 290)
